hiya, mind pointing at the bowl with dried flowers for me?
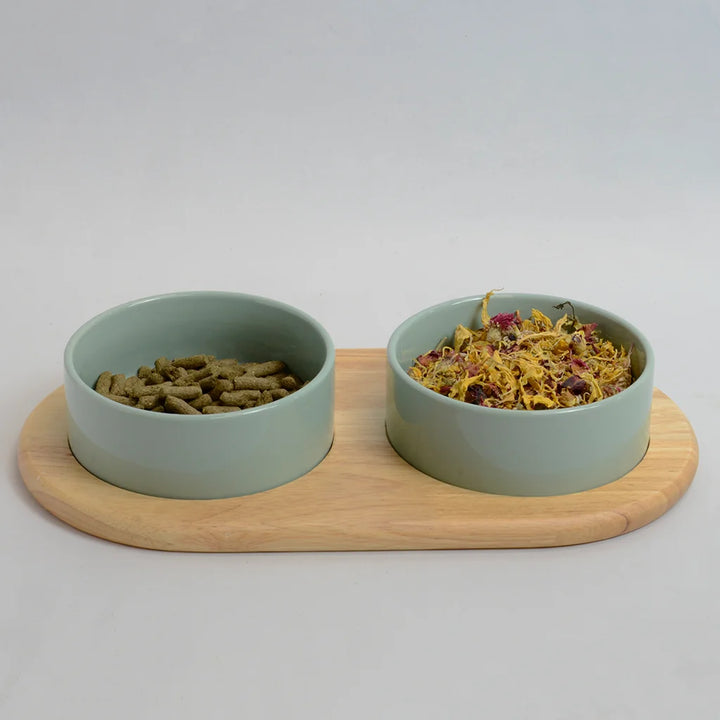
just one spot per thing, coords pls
(519, 394)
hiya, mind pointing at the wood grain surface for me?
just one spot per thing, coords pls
(363, 496)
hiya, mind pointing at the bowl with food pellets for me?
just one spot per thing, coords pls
(200, 395)
(519, 394)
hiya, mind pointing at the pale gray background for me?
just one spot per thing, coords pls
(361, 161)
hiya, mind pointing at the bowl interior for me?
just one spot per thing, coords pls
(233, 325)
(421, 332)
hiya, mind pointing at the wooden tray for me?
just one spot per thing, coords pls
(363, 496)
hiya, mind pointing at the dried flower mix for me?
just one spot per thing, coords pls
(525, 364)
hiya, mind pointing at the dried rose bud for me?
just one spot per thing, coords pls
(576, 385)
(475, 395)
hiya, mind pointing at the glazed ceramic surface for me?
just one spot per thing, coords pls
(515, 452)
(209, 456)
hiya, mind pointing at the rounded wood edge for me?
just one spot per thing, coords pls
(667, 418)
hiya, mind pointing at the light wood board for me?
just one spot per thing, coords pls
(363, 496)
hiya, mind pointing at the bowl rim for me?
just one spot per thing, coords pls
(79, 334)
(401, 374)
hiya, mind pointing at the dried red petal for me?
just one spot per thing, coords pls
(493, 389)
(504, 320)
(472, 369)
(588, 330)
(427, 358)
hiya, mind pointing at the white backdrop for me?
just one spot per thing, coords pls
(361, 161)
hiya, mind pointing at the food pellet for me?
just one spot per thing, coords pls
(208, 383)
(168, 370)
(184, 381)
(251, 382)
(148, 402)
(290, 383)
(161, 363)
(193, 362)
(103, 383)
(183, 392)
(268, 368)
(174, 373)
(202, 373)
(201, 402)
(230, 371)
(138, 391)
(117, 385)
(220, 387)
(177, 405)
(200, 384)
(239, 397)
(132, 385)
(120, 399)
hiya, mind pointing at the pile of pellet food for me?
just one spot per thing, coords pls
(200, 385)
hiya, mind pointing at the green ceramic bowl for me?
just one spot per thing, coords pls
(515, 452)
(209, 456)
